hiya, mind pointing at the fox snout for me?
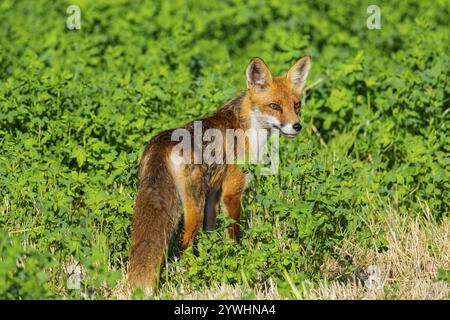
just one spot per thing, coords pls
(291, 130)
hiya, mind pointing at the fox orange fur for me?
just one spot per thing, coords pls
(270, 103)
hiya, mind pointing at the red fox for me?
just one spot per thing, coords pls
(271, 103)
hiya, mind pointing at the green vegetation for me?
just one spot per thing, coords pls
(78, 106)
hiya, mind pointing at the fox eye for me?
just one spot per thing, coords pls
(297, 106)
(275, 106)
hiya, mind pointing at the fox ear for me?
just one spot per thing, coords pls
(298, 73)
(258, 75)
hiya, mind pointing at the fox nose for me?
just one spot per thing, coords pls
(297, 127)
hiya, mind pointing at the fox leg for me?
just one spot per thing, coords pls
(211, 210)
(193, 198)
(193, 220)
(233, 186)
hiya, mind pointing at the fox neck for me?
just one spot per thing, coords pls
(258, 133)
(248, 120)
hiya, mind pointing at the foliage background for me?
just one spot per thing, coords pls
(77, 108)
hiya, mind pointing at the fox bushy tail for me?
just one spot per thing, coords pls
(154, 222)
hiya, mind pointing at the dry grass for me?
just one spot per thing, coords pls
(418, 246)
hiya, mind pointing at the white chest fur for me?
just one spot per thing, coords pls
(260, 129)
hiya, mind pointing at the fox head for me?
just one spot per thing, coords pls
(276, 101)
